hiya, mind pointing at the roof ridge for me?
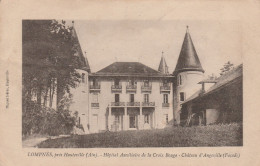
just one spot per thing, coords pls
(129, 68)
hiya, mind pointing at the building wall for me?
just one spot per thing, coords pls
(105, 97)
(80, 100)
(189, 85)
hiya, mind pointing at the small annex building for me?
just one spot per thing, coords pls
(219, 100)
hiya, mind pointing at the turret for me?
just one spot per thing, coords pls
(163, 68)
(188, 73)
(80, 93)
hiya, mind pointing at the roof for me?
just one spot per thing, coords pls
(209, 80)
(128, 68)
(188, 59)
(82, 61)
(221, 81)
(163, 68)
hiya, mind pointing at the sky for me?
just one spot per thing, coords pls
(105, 42)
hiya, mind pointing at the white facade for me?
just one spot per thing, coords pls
(129, 106)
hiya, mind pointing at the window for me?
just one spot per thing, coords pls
(146, 98)
(146, 118)
(83, 77)
(165, 83)
(165, 98)
(116, 82)
(116, 97)
(146, 83)
(180, 80)
(132, 121)
(132, 98)
(182, 96)
(132, 82)
(95, 82)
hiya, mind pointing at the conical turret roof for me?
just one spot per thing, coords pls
(82, 61)
(163, 68)
(188, 58)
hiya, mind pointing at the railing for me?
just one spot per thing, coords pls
(131, 88)
(95, 105)
(146, 88)
(117, 103)
(133, 103)
(165, 88)
(94, 87)
(116, 88)
(148, 104)
(165, 104)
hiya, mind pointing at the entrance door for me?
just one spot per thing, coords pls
(132, 122)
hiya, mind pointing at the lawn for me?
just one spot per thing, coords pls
(212, 135)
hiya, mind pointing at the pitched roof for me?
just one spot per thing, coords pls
(82, 61)
(163, 68)
(221, 81)
(128, 68)
(188, 59)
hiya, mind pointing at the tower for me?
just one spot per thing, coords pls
(163, 68)
(188, 72)
(80, 95)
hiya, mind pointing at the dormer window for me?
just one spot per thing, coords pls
(146, 83)
(132, 82)
(95, 82)
(116, 82)
(165, 83)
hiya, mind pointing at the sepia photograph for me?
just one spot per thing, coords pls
(131, 83)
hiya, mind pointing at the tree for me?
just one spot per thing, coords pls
(49, 68)
(48, 60)
(226, 67)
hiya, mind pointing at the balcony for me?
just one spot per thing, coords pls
(137, 104)
(116, 88)
(148, 104)
(131, 88)
(117, 104)
(94, 88)
(165, 88)
(147, 88)
(95, 105)
(165, 105)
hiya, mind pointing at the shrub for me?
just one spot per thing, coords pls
(38, 119)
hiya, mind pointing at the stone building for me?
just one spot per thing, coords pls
(133, 96)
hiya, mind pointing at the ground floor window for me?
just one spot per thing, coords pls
(132, 121)
(146, 118)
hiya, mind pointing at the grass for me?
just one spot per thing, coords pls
(196, 136)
